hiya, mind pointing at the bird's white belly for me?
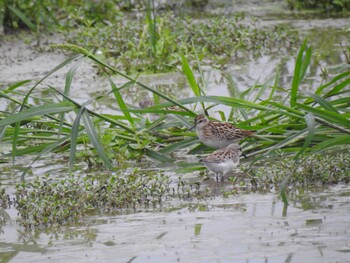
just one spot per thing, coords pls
(221, 167)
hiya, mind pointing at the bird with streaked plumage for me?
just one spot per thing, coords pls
(223, 160)
(218, 134)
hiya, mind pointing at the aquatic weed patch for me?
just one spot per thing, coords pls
(215, 40)
(307, 171)
(46, 202)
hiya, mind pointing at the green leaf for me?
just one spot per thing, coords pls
(61, 65)
(92, 134)
(283, 193)
(337, 140)
(16, 85)
(306, 63)
(74, 138)
(67, 86)
(310, 121)
(329, 116)
(179, 145)
(120, 100)
(336, 90)
(103, 64)
(275, 84)
(101, 116)
(190, 76)
(23, 17)
(301, 65)
(48, 149)
(334, 80)
(157, 156)
(323, 103)
(37, 111)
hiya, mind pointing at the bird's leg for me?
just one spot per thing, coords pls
(222, 177)
(219, 177)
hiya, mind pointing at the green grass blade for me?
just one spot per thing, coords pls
(334, 80)
(310, 121)
(283, 193)
(88, 54)
(23, 17)
(103, 117)
(120, 100)
(306, 63)
(67, 87)
(189, 168)
(297, 76)
(234, 92)
(289, 140)
(14, 141)
(157, 156)
(16, 85)
(61, 65)
(337, 140)
(2, 132)
(92, 134)
(275, 84)
(48, 149)
(74, 138)
(152, 26)
(191, 79)
(336, 90)
(323, 103)
(329, 116)
(179, 145)
(190, 76)
(37, 111)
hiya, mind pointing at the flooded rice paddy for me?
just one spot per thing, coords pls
(246, 227)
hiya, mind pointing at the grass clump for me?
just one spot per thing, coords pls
(155, 47)
(308, 171)
(46, 202)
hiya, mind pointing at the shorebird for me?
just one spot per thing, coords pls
(218, 134)
(223, 160)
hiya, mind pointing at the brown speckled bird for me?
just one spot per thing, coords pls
(223, 160)
(218, 134)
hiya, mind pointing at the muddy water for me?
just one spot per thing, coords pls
(244, 228)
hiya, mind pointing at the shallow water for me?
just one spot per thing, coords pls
(244, 228)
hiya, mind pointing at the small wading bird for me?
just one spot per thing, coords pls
(218, 134)
(223, 160)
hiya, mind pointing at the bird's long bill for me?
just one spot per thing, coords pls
(190, 129)
(245, 156)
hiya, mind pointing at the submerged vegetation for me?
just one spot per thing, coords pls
(301, 126)
(44, 202)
